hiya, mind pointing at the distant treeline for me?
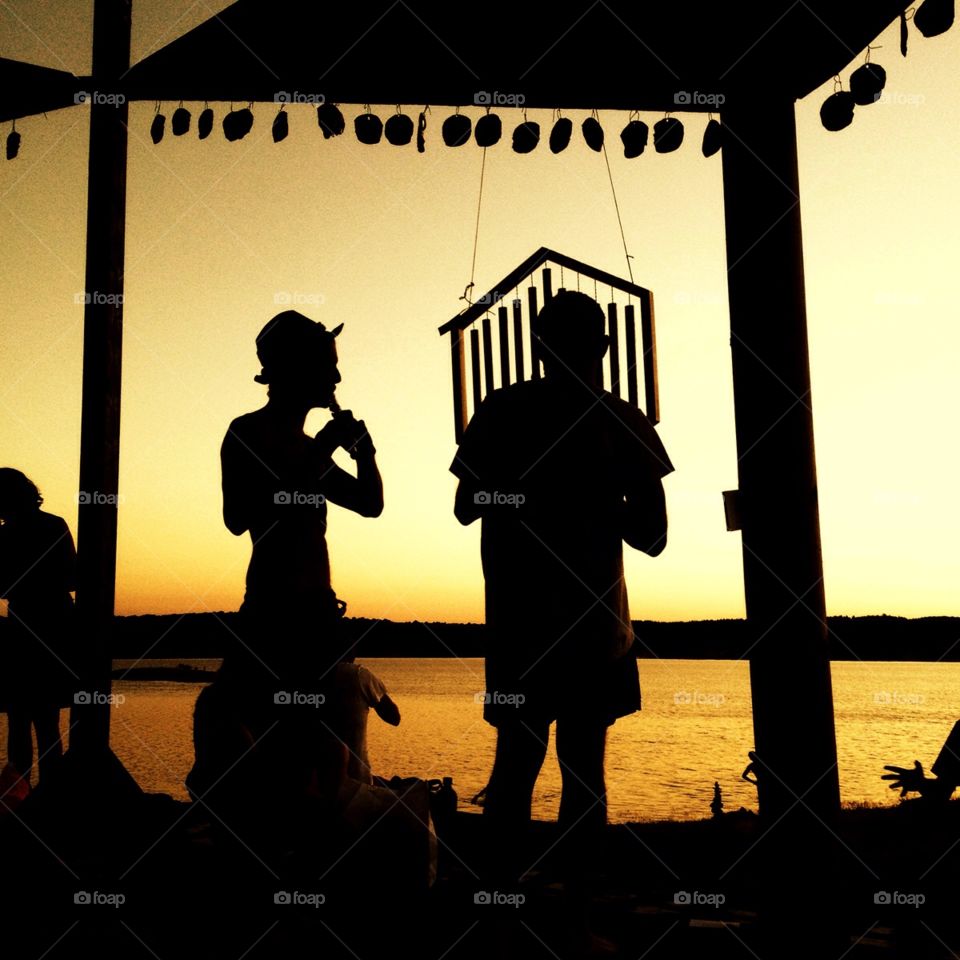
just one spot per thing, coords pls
(208, 635)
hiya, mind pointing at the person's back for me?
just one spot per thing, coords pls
(357, 689)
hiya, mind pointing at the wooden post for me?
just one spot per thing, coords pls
(782, 568)
(102, 342)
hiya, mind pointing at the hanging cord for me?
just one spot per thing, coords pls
(616, 207)
(468, 290)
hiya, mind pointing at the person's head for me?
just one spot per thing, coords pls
(18, 494)
(299, 359)
(571, 330)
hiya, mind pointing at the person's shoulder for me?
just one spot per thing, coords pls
(244, 425)
(52, 521)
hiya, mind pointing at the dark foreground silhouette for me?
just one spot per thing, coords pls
(37, 575)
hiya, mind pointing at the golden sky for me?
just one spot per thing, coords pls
(380, 238)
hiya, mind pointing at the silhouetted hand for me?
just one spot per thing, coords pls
(906, 780)
(344, 430)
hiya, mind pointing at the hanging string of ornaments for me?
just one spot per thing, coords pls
(931, 18)
(455, 131)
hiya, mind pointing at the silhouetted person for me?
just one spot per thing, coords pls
(37, 574)
(276, 485)
(356, 689)
(946, 773)
(561, 472)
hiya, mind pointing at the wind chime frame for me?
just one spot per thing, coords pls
(482, 385)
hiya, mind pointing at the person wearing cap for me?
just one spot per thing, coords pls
(561, 472)
(277, 482)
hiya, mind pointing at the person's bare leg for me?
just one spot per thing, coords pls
(520, 753)
(46, 721)
(20, 742)
(583, 801)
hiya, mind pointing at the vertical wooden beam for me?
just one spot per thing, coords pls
(518, 337)
(504, 339)
(532, 323)
(102, 350)
(458, 366)
(782, 568)
(630, 326)
(648, 335)
(614, 333)
(488, 384)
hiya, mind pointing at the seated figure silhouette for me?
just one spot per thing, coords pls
(946, 773)
(277, 482)
(356, 690)
(37, 575)
(561, 473)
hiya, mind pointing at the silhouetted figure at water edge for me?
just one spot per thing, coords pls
(37, 576)
(561, 472)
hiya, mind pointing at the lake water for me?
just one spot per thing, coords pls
(695, 728)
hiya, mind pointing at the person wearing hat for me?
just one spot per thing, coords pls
(277, 482)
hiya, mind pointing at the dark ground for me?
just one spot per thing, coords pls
(161, 882)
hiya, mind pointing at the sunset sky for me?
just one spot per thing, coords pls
(380, 238)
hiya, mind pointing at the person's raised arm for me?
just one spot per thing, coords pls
(363, 493)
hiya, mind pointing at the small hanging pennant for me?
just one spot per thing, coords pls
(592, 132)
(560, 134)
(205, 123)
(330, 120)
(13, 143)
(281, 126)
(421, 128)
(398, 129)
(156, 128)
(180, 121)
(368, 127)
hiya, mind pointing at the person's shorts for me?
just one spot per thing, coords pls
(547, 691)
